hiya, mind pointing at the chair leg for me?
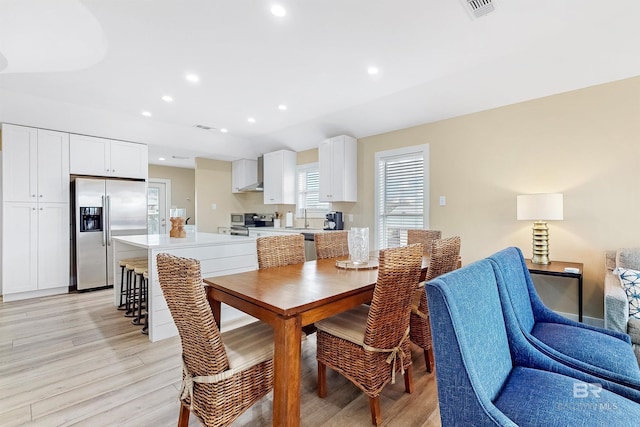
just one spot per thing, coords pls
(183, 419)
(408, 380)
(322, 380)
(376, 416)
(429, 360)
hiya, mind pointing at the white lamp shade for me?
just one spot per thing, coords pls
(540, 207)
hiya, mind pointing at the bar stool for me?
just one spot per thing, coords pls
(123, 291)
(145, 277)
(140, 294)
(131, 296)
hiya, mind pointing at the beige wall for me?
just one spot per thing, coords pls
(182, 187)
(582, 143)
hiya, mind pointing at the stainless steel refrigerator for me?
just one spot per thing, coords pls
(104, 208)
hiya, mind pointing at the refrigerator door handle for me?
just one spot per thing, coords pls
(108, 220)
(104, 229)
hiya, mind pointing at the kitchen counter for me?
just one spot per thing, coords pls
(159, 241)
(219, 254)
(308, 232)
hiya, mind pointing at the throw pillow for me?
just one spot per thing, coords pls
(630, 281)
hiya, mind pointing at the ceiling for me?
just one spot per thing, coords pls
(93, 66)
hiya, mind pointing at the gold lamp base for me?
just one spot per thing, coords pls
(540, 243)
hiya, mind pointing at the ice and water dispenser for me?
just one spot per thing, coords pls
(90, 219)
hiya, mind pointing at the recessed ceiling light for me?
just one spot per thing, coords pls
(167, 98)
(282, 107)
(224, 130)
(162, 159)
(192, 78)
(278, 10)
(373, 71)
(251, 120)
(146, 114)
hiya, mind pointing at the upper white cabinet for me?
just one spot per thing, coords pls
(105, 157)
(35, 165)
(244, 172)
(338, 164)
(280, 178)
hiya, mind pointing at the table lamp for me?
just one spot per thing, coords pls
(540, 208)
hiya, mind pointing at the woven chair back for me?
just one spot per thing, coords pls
(423, 236)
(181, 283)
(398, 275)
(331, 244)
(278, 251)
(445, 257)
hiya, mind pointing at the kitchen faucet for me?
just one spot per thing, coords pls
(306, 222)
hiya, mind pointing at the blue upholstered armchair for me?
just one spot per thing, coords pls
(487, 376)
(601, 352)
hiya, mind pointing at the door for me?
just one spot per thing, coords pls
(158, 202)
(91, 251)
(53, 245)
(128, 160)
(88, 155)
(53, 166)
(20, 253)
(20, 147)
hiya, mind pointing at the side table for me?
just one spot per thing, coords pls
(556, 268)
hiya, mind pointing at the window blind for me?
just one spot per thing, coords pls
(400, 186)
(309, 192)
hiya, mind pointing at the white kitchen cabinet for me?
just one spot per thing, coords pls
(35, 255)
(280, 177)
(35, 212)
(244, 172)
(35, 165)
(337, 166)
(89, 155)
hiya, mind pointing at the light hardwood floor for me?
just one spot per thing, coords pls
(75, 360)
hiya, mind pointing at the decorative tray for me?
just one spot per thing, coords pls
(349, 265)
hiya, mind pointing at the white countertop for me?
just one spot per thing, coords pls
(291, 230)
(161, 241)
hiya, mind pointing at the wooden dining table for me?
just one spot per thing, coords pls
(289, 298)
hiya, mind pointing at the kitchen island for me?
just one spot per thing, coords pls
(219, 254)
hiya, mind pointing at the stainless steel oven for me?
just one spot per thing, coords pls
(239, 230)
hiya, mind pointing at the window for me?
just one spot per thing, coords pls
(402, 194)
(308, 196)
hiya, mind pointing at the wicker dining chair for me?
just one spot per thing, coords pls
(445, 257)
(222, 374)
(331, 244)
(423, 236)
(368, 344)
(278, 251)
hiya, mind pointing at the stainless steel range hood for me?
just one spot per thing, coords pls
(257, 186)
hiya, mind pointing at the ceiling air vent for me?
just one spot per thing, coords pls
(203, 127)
(480, 8)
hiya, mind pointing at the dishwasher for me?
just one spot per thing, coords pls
(309, 247)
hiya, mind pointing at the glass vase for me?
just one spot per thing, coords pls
(359, 245)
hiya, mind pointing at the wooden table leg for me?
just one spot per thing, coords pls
(215, 307)
(286, 363)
